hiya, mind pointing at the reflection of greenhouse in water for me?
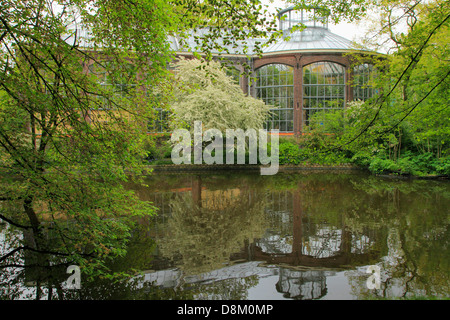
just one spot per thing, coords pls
(297, 246)
(318, 238)
(293, 284)
(303, 285)
(306, 238)
(291, 228)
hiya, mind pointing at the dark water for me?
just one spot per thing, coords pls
(297, 235)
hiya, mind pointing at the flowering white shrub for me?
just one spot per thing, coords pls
(204, 92)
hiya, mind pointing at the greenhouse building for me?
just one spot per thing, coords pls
(306, 71)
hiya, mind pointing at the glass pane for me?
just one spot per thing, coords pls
(278, 83)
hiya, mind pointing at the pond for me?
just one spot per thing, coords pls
(296, 235)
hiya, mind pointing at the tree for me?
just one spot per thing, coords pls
(206, 93)
(414, 34)
(414, 101)
(409, 116)
(70, 138)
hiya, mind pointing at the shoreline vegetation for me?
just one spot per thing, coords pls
(298, 154)
(164, 166)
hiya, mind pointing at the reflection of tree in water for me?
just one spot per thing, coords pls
(35, 275)
(29, 273)
(229, 289)
(352, 221)
(203, 233)
(337, 221)
(415, 261)
(401, 226)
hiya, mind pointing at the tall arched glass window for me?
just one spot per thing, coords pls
(362, 82)
(323, 89)
(275, 86)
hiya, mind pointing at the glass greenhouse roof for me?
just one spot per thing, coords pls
(311, 39)
(315, 37)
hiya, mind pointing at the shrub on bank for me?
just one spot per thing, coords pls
(411, 164)
(291, 153)
(302, 152)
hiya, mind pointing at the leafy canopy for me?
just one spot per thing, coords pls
(79, 81)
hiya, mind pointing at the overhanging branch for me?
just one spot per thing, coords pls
(15, 224)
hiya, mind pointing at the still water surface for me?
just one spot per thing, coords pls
(295, 235)
(298, 235)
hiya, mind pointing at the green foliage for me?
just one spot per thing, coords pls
(157, 152)
(378, 165)
(69, 139)
(411, 164)
(406, 128)
(443, 166)
(307, 152)
(343, 11)
(329, 121)
(362, 158)
(290, 153)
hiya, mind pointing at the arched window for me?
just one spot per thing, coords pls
(275, 86)
(323, 89)
(362, 82)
